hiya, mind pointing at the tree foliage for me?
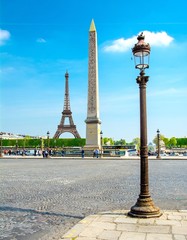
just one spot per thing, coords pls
(37, 143)
(181, 142)
(108, 141)
(136, 142)
(171, 142)
(120, 142)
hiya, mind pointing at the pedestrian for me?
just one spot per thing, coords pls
(39, 152)
(43, 153)
(35, 151)
(82, 153)
(97, 153)
(46, 153)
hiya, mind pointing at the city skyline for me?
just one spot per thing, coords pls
(39, 42)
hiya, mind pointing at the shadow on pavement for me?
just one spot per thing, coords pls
(13, 209)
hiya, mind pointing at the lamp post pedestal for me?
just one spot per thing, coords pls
(144, 207)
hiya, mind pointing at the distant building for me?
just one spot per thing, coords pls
(6, 135)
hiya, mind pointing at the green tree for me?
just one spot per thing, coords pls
(173, 142)
(181, 142)
(136, 141)
(107, 140)
(120, 142)
(36, 142)
(166, 142)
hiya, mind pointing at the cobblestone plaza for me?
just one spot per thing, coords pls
(43, 198)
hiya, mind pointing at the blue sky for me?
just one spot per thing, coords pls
(40, 40)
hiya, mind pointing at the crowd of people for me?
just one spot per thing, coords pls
(36, 152)
(45, 152)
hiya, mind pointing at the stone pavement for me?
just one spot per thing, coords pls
(117, 225)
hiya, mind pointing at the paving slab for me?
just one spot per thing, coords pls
(158, 236)
(109, 235)
(133, 236)
(117, 225)
(179, 237)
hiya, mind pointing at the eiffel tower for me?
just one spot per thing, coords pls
(62, 127)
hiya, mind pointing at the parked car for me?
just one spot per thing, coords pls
(174, 154)
(163, 154)
(132, 152)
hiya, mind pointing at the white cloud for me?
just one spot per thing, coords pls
(153, 38)
(158, 38)
(4, 36)
(120, 45)
(41, 40)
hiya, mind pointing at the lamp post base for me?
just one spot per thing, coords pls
(144, 208)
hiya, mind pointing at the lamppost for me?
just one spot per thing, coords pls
(158, 144)
(1, 150)
(144, 207)
(16, 147)
(54, 150)
(48, 133)
(41, 143)
(101, 134)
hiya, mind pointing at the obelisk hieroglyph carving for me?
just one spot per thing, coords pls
(93, 122)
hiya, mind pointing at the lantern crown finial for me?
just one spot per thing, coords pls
(141, 52)
(141, 44)
(141, 37)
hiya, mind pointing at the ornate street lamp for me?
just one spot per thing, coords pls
(144, 207)
(101, 134)
(1, 150)
(48, 134)
(41, 143)
(16, 147)
(158, 144)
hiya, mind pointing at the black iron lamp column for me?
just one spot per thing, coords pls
(158, 144)
(48, 133)
(101, 134)
(41, 139)
(1, 150)
(16, 147)
(144, 207)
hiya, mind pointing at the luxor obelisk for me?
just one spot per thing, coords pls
(93, 122)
